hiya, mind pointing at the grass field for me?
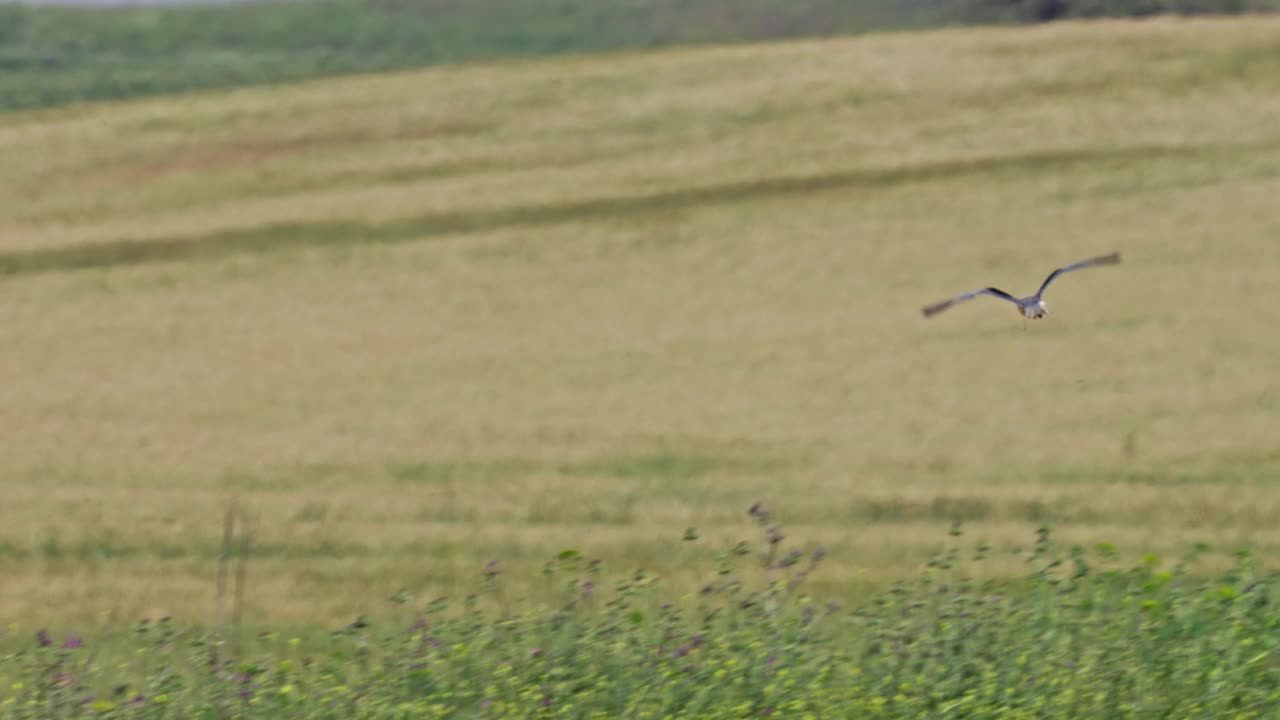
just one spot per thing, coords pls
(421, 321)
(52, 56)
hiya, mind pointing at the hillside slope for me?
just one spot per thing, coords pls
(419, 321)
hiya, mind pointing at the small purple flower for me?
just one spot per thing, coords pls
(587, 588)
(535, 653)
(72, 642)
(774, 535)
(666, 606)
(697, 640)
(818, 553)
(43, 639)
(492, 570)
(546, 700)
(766, 712)
(680, 651)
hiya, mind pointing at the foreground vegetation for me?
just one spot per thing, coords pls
(420, 321)
(1075, 635)
(56, 55)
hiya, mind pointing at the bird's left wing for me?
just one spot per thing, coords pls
(931, 310)
(1111, 259)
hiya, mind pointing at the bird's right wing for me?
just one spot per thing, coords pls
(931, 310)
(1111, 259)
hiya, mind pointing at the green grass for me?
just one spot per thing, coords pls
(52, 56)
(420, 321)
(1075, 634)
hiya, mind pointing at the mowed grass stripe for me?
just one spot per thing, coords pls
(283, 236)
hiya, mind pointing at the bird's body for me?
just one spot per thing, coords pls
(1031, 307)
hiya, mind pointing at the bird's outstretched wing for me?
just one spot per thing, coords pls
(1111, 259)
(931, 310)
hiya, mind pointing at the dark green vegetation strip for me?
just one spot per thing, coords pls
(51, 56)
(333, 233)
(1079, 634)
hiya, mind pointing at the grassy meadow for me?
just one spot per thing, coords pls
(417, 322)
(57, 55)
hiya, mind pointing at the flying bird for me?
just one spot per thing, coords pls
(1031, 307)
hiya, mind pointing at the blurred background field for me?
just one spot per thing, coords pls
(53, 52)
(419, 321)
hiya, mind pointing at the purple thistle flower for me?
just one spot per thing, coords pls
(758, 512)
(72, 642)
(697, 640)
(43, 639)
(535, 653)
(775, 535)
(680, 651)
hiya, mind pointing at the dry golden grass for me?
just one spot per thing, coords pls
(420, 321)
